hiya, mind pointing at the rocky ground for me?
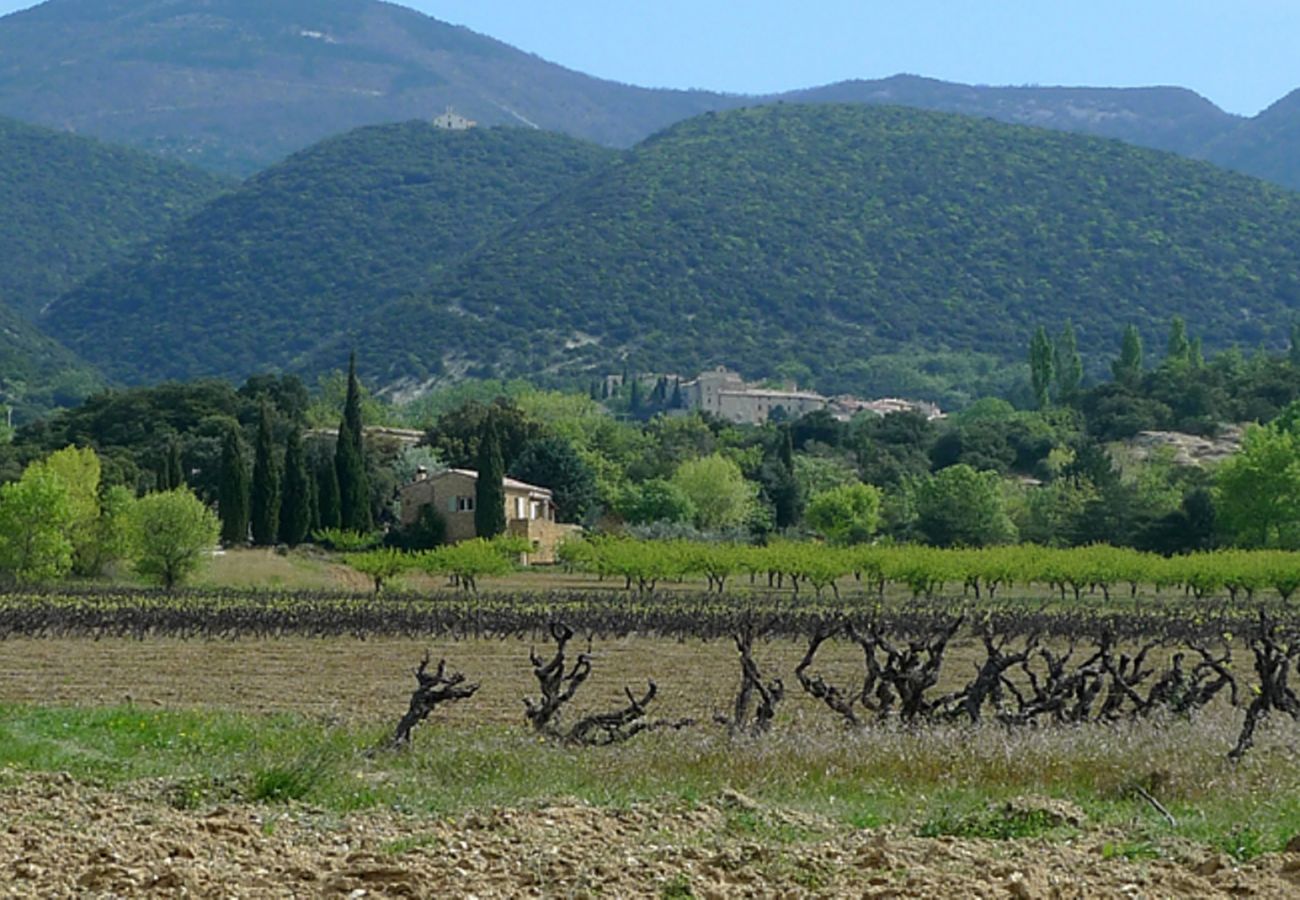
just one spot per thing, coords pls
(62, 839)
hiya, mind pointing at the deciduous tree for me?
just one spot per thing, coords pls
(849, 514)
(170, 534)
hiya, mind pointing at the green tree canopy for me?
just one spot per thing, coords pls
(960, 506)
(170, 533)
(1257, 491)
(718, 490)
(849, 514)
(36, 518)
(553, 463)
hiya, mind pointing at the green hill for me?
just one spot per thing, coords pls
(298, 252)
(821, 236)
(36, 373)
(73, 205)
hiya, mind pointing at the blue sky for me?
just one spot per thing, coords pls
(1242, 54)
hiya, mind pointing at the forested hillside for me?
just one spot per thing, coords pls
(72, 205)
(823, 235)
(310, 246)
(36, 373)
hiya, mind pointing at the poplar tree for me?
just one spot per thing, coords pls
(350, 461)
(1069, 365)
(1128, 368)
(1179, 348)
(489, 490)
(266, 484)
(295, 495)
(1041, 363)
(232, 493)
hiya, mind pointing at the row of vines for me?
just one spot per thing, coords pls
(1032, 665)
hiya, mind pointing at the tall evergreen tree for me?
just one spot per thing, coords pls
(232, 493)
(1293, 350)
(1069, 365)
(313, 498)
(634, 399)
(785, 447)
(266, 483)
(295, 494)
(172, 475)
(489, 490)
(1041, 364)
(677, 401)
(780, 484)
(350, 461)
(327, 497)
(1128, 368)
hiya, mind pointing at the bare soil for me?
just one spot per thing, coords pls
(365, 680)
(61, 839)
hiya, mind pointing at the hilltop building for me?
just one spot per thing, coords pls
(530, 510)
(452, 121)
(728, 396)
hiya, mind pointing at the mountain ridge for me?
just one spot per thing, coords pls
(236, 85)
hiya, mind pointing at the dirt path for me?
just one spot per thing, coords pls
(60, 839)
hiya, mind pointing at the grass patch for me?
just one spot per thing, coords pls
(933, 782)
(994, 823)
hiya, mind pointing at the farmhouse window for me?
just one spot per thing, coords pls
(465, 504)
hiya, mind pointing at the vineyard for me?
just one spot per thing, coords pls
(932, 696)
(1023, 663)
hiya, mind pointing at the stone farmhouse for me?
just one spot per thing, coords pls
(530, 510)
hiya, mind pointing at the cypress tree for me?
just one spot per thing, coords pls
(489, 490)
(634, 399)
(266, 484)
(677, 402)
(350, 461)
(327, 497)
(232, 493)
(174, 470)
(313, 499)
(161, 476)
(295, 495)
(785, 448)
(783, 488)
